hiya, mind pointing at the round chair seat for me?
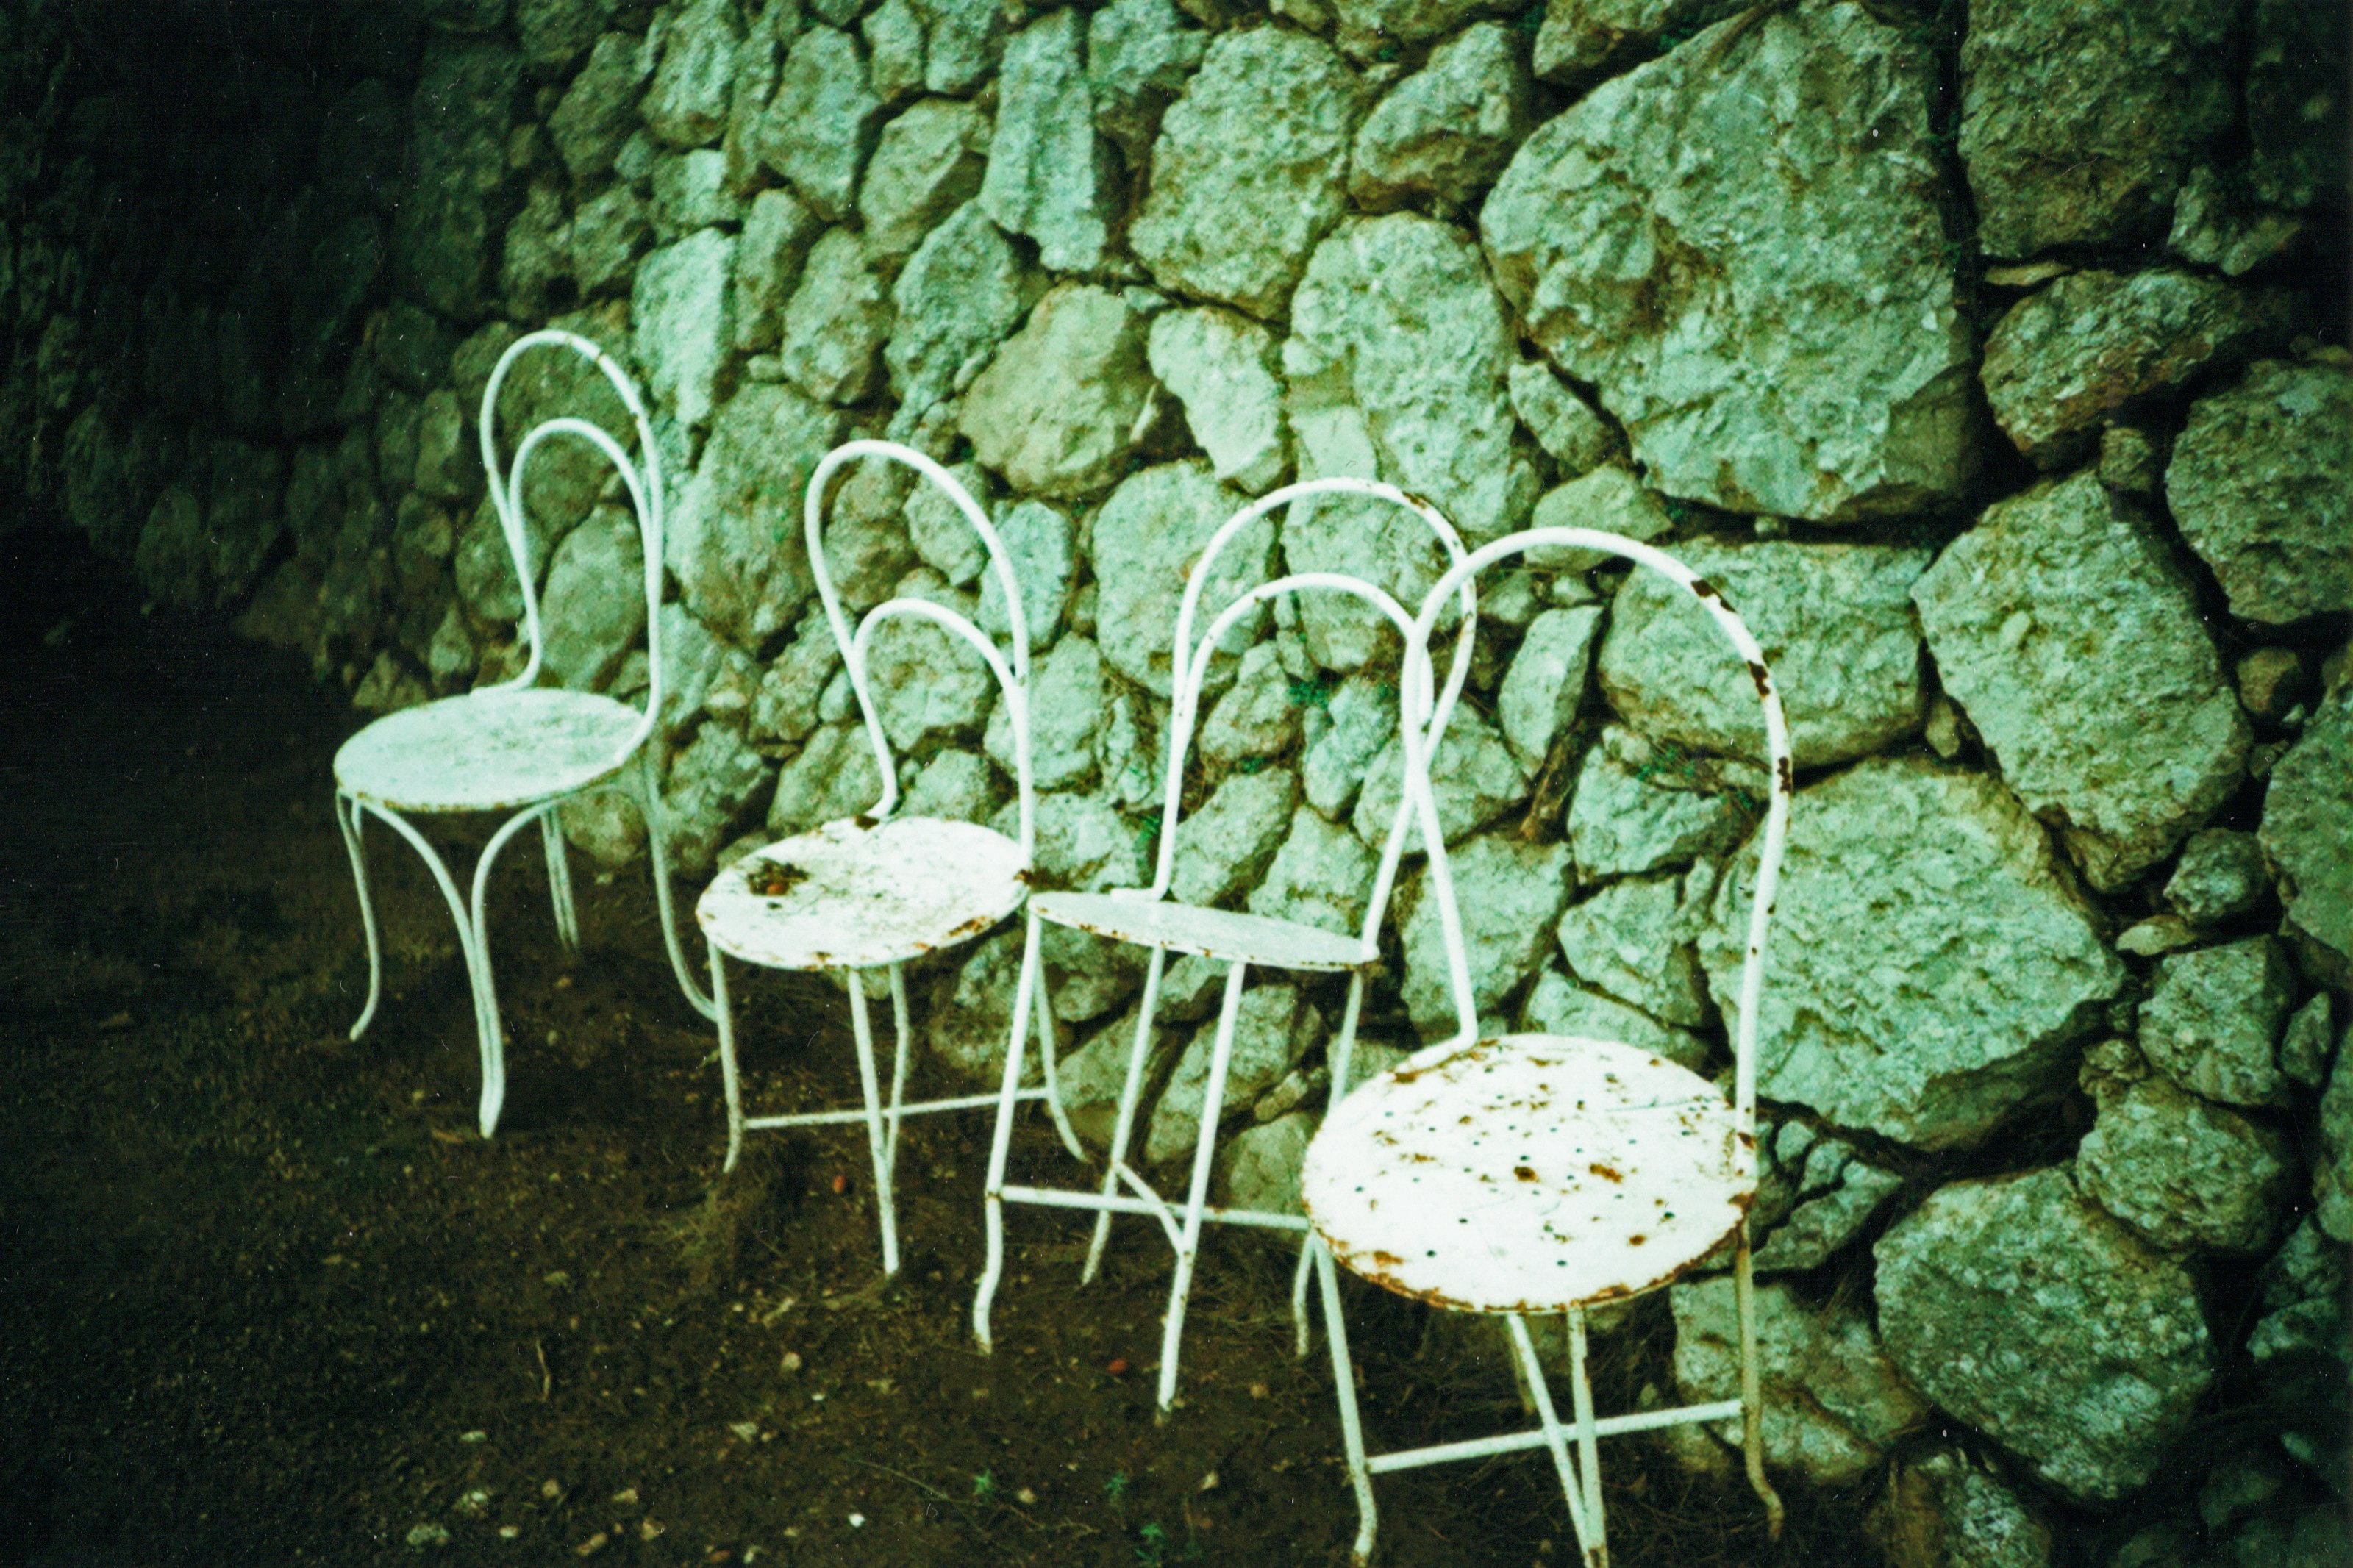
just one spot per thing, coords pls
(1254, 940)
(1527, 1174)
(488, 750)
(856, 894)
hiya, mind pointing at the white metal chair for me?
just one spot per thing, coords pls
(518, 746)
(873, 891)
(1146, 916)
(1540, 1173)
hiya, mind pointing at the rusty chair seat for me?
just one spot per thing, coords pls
(1527, 1174)
(861, 895)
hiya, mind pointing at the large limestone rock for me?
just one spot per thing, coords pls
(1929, 967)
(962, 292)
(680, 313)
(1508, 892)
(687, 104)
(2183, 1173)
(1220, 367)
(816, 130)
(1370, 29)
(779, 230)
(2214, 1017)
(1791, 345)
(1322, 876)
(2308, 822)
(1474, 777)
(2296, 103)
(2063, 625)
(1634, 941)
(1943, 1510)
(443, 230)
(1833, 1403)
(1400, 352)
(1224, 848)
(1639, 808)
(2066, 357)
(1050, 177)
(1556, 1006)
(1140, 54)
(1580, 37)
(2332, 1177)
(1450, 127)
(598, 110)
(830, 339)
(1146, 539)
(1271, 1032)
(1248, 172)
(1834, 620)
(594, 606)
(1545, 684)
(2079, 120)
(928, 162)
(2260, 483)
(712, 783)
(1066, 699)
(2030, 1314)
(1055, 411)
(734, 534)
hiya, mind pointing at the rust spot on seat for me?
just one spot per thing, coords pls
(1636, 1240)
(1607, 1173)
(774, 879)
(1525, 1172)
(1762, 676)
(865, 821)
(1705, 589)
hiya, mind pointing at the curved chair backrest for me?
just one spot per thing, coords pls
(1417, 803)
(1013, 677)
(1777, 746)
(1192, 658)
(643, 483)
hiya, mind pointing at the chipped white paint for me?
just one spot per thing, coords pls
(1541, 1174)
(1527, 1174)
(1208, 934)
(514, 745)
(861, 894)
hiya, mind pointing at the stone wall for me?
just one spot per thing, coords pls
(1991, 361)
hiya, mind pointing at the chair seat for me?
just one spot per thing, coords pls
(1527, 1174)
(866, 894)
(488, 750)
(1255, 939)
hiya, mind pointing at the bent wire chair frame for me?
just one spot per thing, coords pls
(355, 804)
(1192, 660)
(881, 1120)
(1580, 1477)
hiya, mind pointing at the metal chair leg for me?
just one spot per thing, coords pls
(492, 1039)
(1589, 1447)
(1001, 1143)
(1130, 1091)
(902, 1035)
(1342, 1054)
(648, 799)
(1344, 1386)
(1213, 1094)
(494, 1061)
(559, 885)
(349, 817)
(869, 1086)
(729, 1078)
(1589, 1548)
(1752, 1405)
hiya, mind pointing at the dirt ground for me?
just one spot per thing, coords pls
(265, 1296)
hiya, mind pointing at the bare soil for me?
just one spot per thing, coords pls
(265, 1296)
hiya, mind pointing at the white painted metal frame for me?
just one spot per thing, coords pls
(1145, 916)
(1580, 1474)
(507, 710)
(882, 1119)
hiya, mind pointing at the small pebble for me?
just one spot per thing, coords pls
(475, 1503)
(592, 1545)
(476, 1436)
(792, 1362)
(1026, 1498)
(747, 1430)
(648, 1529)
(857, 1521)
(1117, 1366)
(427, 1538)
(551, 1490)
(509, 1532)
(627, 1497)
(840, 1185)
